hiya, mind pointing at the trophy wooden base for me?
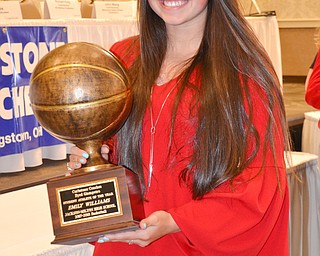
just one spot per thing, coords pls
(89, 205)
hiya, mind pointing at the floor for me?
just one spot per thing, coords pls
(295, 108)
(295, 104)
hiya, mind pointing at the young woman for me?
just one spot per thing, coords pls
(206, 135)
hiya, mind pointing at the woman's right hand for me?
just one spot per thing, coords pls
(78, 157)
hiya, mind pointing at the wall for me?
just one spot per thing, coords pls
(297, 22)
(288, 9)
(297, 49)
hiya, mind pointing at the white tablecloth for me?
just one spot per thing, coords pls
(311, 133)
(267, 31)
(26, 229)
(304, 187)
(105, 33)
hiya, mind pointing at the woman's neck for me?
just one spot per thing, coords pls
(182, 46)
(184, 40)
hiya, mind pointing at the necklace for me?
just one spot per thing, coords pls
(153, 129)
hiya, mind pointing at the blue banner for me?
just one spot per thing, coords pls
(20, 50)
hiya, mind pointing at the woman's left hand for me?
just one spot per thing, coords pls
(156, 225)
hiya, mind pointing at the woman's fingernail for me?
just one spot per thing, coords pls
(101, 240)
(77, 165)
(106, 239)
(144, 226)
(82, 161)
(85, 155)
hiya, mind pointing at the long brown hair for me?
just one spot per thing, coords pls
(228, 49)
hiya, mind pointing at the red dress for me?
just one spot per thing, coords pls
(249, 219)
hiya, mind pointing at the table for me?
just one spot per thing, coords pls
(26, 228)
(105, 33)
(304, 187)
(311, 133)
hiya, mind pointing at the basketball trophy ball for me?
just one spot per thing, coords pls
(81, 94)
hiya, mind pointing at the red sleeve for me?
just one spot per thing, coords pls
(247, 217)
(312, 96)
(126, 50)
(238, 220)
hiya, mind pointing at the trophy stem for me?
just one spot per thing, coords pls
(95, 160)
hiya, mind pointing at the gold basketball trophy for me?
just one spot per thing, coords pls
(80, 93)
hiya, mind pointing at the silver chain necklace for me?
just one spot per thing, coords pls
(153, 129)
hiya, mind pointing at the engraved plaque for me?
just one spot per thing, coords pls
(89, 201)
(86, 206)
